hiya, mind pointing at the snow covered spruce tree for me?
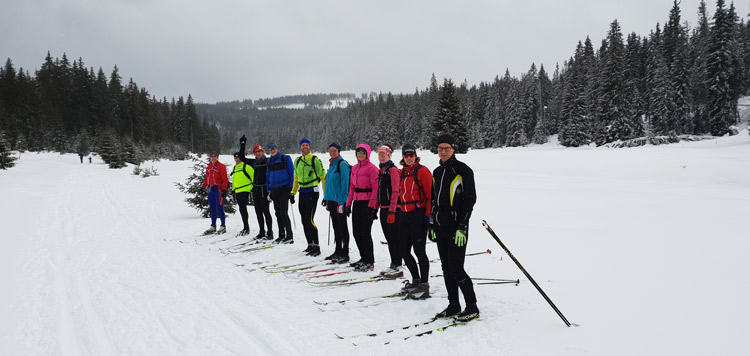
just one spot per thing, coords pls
(197, 195)
(448, 119)
(6, 157)
(722, 101)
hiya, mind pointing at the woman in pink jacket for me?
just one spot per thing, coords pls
(363, 202)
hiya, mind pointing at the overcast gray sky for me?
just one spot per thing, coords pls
(221, 50)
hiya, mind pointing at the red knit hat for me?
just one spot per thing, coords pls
(257, 148)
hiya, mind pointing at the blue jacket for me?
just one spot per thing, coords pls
(337, 182)
(280, 171)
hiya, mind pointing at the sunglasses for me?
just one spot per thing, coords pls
(409, 155)
(361, 152)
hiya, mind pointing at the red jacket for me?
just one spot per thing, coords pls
(216, 174)
(413, 195)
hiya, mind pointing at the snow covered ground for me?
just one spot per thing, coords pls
(645, 248)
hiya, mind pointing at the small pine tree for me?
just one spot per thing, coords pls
(6, 157)
(197, 195)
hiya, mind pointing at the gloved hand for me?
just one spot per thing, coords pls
(431, 235)
(224, 194)
(348, 211)
(428, 225)
(340, 209)
(391, 218)
(291, 198)
(243, 140)
(374, 213)
(324, 203)
(461, 236)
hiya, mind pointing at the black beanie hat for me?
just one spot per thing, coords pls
(447, 138)
(408, 149)
(237, 154)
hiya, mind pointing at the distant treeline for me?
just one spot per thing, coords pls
(675, 81)
(66, 107)
(308, 100)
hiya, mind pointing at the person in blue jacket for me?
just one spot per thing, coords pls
(334, 199)
(280, 179)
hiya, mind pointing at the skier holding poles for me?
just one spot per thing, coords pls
(334, 200)
(388, 190)
(217, 182)
(242, 184)
(453, 198)
(308, 174)
(279, 179)
(363, 200)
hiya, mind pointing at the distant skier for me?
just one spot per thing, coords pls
(334, 200)
(453, 198)
(89, 159)
(80, 155)
(217, 183)
(279, 179)
(259, 194)
(242, 184)
(363, 200)
(415, 189)
(388, 191)
(308, 174)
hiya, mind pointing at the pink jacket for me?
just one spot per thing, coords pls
(363, 183)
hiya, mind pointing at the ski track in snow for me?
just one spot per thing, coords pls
(622, 240)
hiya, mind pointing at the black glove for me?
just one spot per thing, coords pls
(224, 194)
(291, 198)
(243, 140)
(348, 211)
(324, 203)
(374, 213)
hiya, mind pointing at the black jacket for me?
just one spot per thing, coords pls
(453, 193)
(260, 167)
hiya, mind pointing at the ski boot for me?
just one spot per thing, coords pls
(222, 229)
(422, 291)
(211, 230)
(470, 313)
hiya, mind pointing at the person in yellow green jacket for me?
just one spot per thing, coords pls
(242, 184)
(308, 174)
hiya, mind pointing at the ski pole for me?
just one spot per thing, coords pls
(329, 229)
(489, 229)
(293, 218)
(479, 253)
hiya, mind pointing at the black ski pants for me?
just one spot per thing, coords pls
(340, 229)
(412, 235)
(452, 260)
(391, 236)
(262, 208)
(308, 202)
(362, 230)
(280, 198)
(243, 199)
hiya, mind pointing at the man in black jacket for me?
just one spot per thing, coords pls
(453, 198)
(259, 194)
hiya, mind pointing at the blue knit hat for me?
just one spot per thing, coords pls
(305, 140)
(336, 146)
(272, 145)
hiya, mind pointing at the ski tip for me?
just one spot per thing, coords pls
(574, 324)
(339, 336)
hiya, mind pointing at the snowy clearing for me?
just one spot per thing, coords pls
(642, 247)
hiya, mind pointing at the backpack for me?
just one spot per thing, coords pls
(246, 175)
(384, 200)
(416, 180)
(312, 170)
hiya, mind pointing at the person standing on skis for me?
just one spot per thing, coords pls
(308, 174)
(242, 185)
(363, 201)
(453, 198)
(415, 190)
(279, 179)
(335, 196)
(388, 191)
(259, 193)
(217, 183)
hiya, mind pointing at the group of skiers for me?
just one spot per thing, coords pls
(411, 203)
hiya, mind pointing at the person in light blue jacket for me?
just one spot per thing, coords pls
(335, 196)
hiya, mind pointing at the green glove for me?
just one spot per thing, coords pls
(431, 235)
(460, 238)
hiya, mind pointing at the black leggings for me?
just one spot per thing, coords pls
(452, 260)
(411, 234)
(362, 230)
(391, 236)
(243, 199)
(340, 229)
(308, 202)
(262, 208)
(280, 197)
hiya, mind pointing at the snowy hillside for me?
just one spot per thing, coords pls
(645, 248)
